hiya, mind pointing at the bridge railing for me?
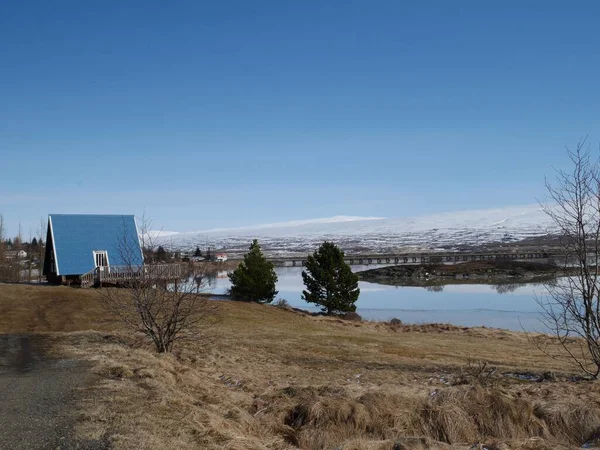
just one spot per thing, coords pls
(121, 274)
(420, 258)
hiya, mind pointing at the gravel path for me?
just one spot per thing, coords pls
(37, 396)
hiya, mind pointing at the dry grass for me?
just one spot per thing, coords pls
(30, 308)
(278, 379)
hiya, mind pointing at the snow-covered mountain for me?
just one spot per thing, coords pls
(378, 234)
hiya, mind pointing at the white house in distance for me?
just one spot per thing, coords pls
(14, 254)
(221, 257)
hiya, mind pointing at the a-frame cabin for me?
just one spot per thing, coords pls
(78, 244)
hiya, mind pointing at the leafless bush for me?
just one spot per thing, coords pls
(282, 303)
(571, 309)
(161, 301)
(477, 372)
(10, 269)
(352, 316)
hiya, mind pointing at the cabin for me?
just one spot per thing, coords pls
(221, 257)
(79, 246)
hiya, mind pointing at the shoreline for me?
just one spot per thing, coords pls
(484, 272)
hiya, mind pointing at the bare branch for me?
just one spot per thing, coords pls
(571, 307)
(165, 302)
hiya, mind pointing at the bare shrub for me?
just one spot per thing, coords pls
(352, 316)
(571, 310)
(282, 303)
(477, 372)
(161, 301)
(2, 246)
(10, 268)
(165, 313)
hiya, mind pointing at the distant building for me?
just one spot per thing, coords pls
(80, 243)
(220, 257)
(15, 254)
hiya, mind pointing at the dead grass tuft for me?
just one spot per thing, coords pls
(118, 371)
(573, 422)
(453, 415)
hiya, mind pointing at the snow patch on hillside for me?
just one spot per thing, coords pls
(453, 229)
(293, 223)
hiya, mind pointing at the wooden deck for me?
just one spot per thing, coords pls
(116, 275)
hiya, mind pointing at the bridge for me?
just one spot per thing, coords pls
(423, 258)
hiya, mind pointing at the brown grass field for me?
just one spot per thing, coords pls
(268, 378)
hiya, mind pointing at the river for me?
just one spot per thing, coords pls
(464, 305)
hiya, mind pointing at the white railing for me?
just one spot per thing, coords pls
(121, 274)
(88, 279)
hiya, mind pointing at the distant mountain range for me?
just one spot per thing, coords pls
(364, 234)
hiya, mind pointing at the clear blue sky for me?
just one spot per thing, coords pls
(234, 113)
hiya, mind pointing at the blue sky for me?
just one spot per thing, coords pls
(220, 114)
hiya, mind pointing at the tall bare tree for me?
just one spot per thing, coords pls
(571, 307)
(29, 260)
(41, 249)
(161, 301)
(2, 247)
(9, 266)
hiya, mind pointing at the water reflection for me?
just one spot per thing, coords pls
(506, 305)
(211, 281)
(505, 288)
(435, 288)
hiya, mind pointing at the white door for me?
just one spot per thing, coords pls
(101, 259)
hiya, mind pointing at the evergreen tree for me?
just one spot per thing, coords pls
(254, 279)
(161, 254)
(198, 252)
(329, 281)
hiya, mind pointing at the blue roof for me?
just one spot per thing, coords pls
(77, 236)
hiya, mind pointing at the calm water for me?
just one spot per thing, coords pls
(468, 305)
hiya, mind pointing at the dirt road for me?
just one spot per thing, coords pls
(37, 396)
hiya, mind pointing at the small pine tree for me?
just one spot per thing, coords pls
(254, 279)
(329, 281)
(198, 252)
(161, 254)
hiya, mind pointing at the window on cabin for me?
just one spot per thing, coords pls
(101, 258)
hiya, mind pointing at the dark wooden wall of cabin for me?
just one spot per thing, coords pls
(49, 259)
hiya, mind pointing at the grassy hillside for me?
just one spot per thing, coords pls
(267, 378)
